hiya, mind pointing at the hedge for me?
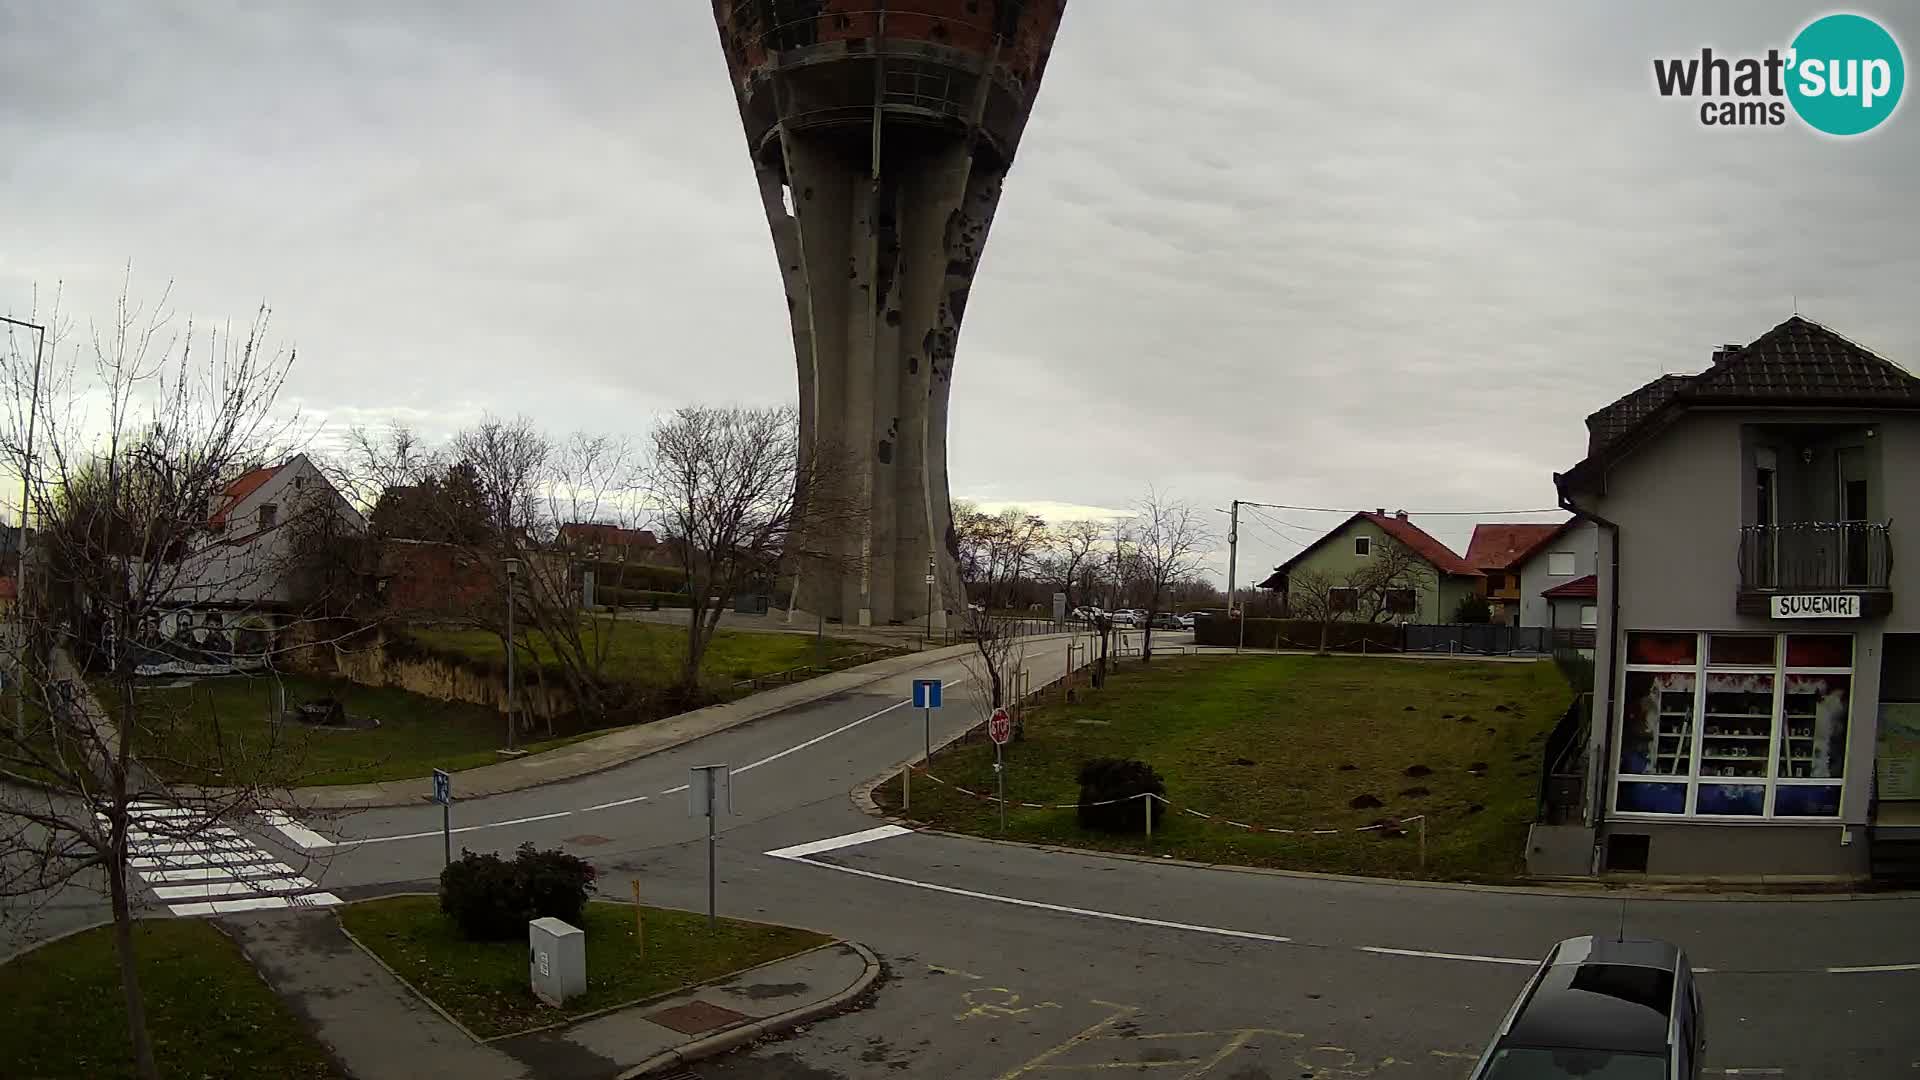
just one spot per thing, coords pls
(1298, 634)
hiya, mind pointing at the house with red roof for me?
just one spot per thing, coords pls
(1558, 586)
(1496, 550)
(1425, 583)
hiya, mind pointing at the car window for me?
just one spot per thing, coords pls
(1531, 1063)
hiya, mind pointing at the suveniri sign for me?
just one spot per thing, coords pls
(1816, 607)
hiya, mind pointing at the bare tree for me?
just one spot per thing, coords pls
(503, 490)
(724, 484)
(1073, 546)
(122, 494)
(1169, 542)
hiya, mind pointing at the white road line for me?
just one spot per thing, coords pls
(614, 803)
(462, 829)
(220, 907)
(835, 843)
(207, 890)
(1217, 931)
(217, 873)
(199, 858)
(675, 790)
(1449, 956)
(1872, 967)
(299, 834)
(148, 851)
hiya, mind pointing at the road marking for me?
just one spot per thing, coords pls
(675, 790)
(1382, 950)
(1872, 967)
(1112, 916)
(821, 738)
(200, 858)
(835, 843)
(462, 829)
(207, 890)
(215, 873)
(300, 835)
(614, 803)
(1120, 1012)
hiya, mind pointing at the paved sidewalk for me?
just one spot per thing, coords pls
(369, 1020)
(379, 1029)
(662, 1035)
(626, 744)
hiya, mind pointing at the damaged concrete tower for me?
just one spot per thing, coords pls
(881, 137)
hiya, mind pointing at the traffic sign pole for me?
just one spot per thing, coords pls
(1000, 770)
(443, 794)
(928, 715)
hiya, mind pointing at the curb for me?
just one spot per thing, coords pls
(733, 1038)
(401, 979)
(327, 797)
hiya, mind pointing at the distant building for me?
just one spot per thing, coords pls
(1495, 551)
(1349, 551)
(610, 542)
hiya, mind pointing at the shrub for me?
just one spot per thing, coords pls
(1105, 779)
(1473, 608)
(491, 899)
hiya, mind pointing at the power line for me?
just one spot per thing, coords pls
(1422, 513)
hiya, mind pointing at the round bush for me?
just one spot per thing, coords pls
(491, 899)
(1105, 779)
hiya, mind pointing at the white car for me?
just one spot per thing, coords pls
(1123, 617)
(1186, 621)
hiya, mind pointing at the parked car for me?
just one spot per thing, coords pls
(1167, 620)
(1187, 620)
(1124, 617)
(1602, 1007)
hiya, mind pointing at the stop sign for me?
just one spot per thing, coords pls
(1000, 727)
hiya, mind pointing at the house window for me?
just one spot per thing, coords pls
(1496, 581)
(269, 515)
(1343, 599)
(1401, 602)
(1734, 725)
(1560, 564)
(299, 481)
(1363, 546)
(1589, 616)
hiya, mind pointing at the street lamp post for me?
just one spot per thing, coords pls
(20, 556)
(513, 574)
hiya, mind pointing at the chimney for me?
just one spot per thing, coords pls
(1380, 511)
(1401, 514)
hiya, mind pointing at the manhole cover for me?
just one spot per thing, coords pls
(587, 840)
(696, 1017)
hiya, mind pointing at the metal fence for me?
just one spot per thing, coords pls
(1482, 639)
(1816, 555)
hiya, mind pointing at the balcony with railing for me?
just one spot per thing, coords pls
(1817, 558)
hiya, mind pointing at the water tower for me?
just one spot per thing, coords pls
(881, 133)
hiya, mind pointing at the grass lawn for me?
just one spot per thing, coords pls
(208, 1012)
(652, 653)
(416, 734)
(1285, 742)
(485, 983)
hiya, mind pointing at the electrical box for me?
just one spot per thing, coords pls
(556, 960)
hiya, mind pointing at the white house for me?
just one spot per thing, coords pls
(1557, 579)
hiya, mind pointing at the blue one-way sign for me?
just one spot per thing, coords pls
(926, 693)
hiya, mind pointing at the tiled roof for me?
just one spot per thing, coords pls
(1423, 544)
(239, 489)
(1622, 416)
(1406, 532)
(1499, 546)
(1798, 362)
(1581, 588)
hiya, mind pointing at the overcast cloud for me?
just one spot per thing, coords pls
(1298, 254)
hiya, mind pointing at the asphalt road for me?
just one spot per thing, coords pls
(1004, 961)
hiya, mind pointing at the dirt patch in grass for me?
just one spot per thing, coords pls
(208, 1012)
(484, 984)
(1324, 732)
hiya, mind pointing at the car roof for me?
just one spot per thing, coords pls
(1599, 994)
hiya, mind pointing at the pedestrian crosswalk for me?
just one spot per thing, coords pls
(198, 868)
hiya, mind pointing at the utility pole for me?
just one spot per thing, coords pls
(20, 556)
(513, 572)
(1233, 559)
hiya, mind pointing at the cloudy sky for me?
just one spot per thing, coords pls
(1287, 253)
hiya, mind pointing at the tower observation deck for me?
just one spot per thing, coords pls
(881, 133)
